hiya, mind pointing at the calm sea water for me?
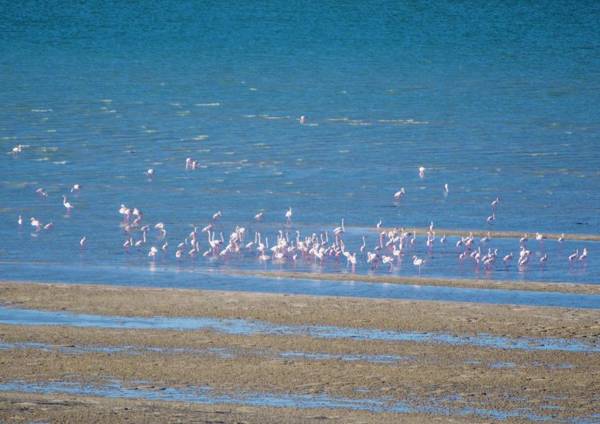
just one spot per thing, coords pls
(495, 99)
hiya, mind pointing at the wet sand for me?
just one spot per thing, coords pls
(434, 379)
(535, 286)
(499, 233)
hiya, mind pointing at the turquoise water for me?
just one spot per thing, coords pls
(496, 99)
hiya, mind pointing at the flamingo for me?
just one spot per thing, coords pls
(35, 223)
(363, 246)
(524, 259)
(399, 194)
(259, 216)
(574, 256)
(421, 172)
(418, 262)
(387, 260)
(338, 231)
(150, 173)
(48, 226)
(446, 189)
(83, 241)
(20, 220)
(17, 149)
(41, 192)
(523, 240)
(76, 188)
(544, 259)
(302, 119)
(495, 203)
(561, 238)
(217, 215)
(506, 259)
(490, 219)
(152, 253)
(584, 254)
(68, 206)
(288, 215)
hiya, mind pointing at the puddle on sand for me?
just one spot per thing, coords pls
(205, 395)
(16, 316)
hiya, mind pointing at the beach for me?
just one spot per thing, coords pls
(463, 380)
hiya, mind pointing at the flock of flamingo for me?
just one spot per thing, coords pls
(391, 247)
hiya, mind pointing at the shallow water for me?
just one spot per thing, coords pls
(98, 93)
(17, 316)
(205, 395)
(207, 280)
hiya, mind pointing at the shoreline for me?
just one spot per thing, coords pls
(467, 283)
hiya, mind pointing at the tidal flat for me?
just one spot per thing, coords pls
(255, 376)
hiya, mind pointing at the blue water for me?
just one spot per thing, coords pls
(496, 99)
(165, 277)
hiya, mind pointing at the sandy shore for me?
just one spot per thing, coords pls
(456, 380)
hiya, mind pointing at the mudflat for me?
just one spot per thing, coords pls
(377, 380)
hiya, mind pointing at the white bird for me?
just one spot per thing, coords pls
(572, 257)
(150, 173)
(259, 216)
(153, 251)
(217, 215)
(561, 238)
(42, 192)
(83, 241)
(495, 203)
(75, 188)
(544, 259)
(302, 119)
(399, 194)
(506, 259)
(68, 206)
(418, 262)
(421, 171)
(446, 189)
(288, 215)
(36, 223)
(20, 220)
(17, 149)
(524, 259)
(584, 254)
(338, 231)
(490, 219)
(48, 226)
